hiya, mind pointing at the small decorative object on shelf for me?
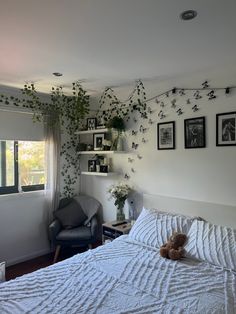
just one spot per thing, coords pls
(92, 165)
(106, 145)
(82, 146)
(120, 193)
(91, 123)
(98, 139)
(104, 168)
(118, 124)
(89, 147)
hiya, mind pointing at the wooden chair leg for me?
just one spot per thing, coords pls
(56, 253)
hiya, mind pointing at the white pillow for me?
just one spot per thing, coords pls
(154, 228)
(212, 243)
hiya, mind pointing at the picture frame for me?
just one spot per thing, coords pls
(195, 132)
(91, 123)
(98, 139)
(225, 129)
(166, 135)
(92, 165)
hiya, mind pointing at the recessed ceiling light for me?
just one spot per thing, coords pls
(188, 15)
(57, 74)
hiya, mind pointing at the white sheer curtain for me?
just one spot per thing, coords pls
(53, 147)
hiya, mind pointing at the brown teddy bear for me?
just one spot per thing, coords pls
(173, 249)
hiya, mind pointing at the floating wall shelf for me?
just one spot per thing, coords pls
(101, 174)
(92, 131)
(100, 152)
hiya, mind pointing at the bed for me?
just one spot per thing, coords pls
(129, 276)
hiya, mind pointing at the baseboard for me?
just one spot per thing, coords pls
(27, 257)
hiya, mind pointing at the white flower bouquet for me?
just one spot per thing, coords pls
(120, 193)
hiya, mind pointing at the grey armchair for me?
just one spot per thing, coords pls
(75, 224)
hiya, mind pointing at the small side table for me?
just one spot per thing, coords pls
(111, 232)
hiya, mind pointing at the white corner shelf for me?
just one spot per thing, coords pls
(92, 131)
(101, 174)
(100, 152)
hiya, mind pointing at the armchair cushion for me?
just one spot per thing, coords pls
(76, 234)
(71, 216)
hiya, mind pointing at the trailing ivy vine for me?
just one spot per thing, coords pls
(64, 112)
(136, 102)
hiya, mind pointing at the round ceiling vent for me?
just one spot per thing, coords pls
(188, 15)
(57, 74)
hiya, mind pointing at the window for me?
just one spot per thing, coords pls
(22, 166)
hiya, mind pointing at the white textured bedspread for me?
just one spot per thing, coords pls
(122, 277)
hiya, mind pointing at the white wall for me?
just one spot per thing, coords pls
(23, 226)
(206, 174)
(23, 216)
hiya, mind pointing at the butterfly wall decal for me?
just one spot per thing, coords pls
(195, 108)
(211, 95)
(179, 111)
(134, 145)
(161, 114)
(142, 129)
(126, 176)
(205, 84)
(130, 159)
(150, 111)
(173, 103)
(197, 95)
(134, 132)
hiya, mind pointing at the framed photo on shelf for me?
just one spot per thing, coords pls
(98, 139)
(92, 165)
(225, 129)
(194, 132)
(91, 123)
(166, 135)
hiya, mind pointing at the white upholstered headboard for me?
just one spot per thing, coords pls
(215, 213)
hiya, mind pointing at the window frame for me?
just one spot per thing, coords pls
(15, 188)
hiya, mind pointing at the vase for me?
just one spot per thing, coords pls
(117, 144)
(120, 214)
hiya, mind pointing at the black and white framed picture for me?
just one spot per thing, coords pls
(98, 139)
(194, 133)
(225, 129)
(92, 165)
(166, 135)
(91, 123)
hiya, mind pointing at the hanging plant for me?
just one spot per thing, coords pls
(64, 112)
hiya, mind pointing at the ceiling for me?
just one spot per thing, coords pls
(111, 42)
